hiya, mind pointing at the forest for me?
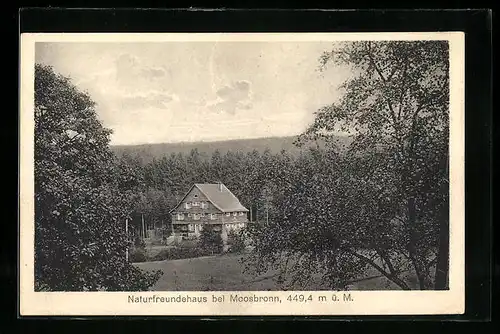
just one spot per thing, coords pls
(255, 177)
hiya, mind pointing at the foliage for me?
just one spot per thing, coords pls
(160, 183)
(138, 255)
(177, 253)
(210, 240)
(80, 208)
(235, 241)
(139, 243)
(383, 204)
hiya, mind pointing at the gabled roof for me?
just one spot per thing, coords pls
(222, 198)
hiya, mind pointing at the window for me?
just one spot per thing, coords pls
(195, 195)
(213, 216)
(228, 214)
(189, 215)
(196, 203)
(196, 216)
(191, 228)
(187, 205)
(241, 213)
(202, 214)
(204, 205)
(180, 216)
(235, 213)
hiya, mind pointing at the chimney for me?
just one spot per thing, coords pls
(219, 185)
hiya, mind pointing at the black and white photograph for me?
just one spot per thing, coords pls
(243, 165)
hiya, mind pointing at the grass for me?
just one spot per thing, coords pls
(225, 273)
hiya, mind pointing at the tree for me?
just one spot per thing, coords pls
(235, 241)
(383, 204)
(80, 202)
(211, 240)
(398, 104)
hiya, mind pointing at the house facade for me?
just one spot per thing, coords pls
(208, 204)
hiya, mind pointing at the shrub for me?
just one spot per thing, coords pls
(235, 241)
(139, 242)
(157, 242)
(189, 243)
(178, 253)
(211, 240)
(138, 255)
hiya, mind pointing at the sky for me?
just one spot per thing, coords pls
(160, 92)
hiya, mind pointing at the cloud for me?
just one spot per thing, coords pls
(129, 69)
(154, 72)
(231, 98)
(149, 99)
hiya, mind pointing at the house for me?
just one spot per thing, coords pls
(208, 204)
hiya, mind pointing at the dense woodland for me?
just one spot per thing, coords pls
(256, 178)
(381, 203)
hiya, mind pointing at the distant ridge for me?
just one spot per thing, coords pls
(274, 144)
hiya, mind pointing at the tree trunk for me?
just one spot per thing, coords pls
(441, 279)
(412, 243)
(126, 234)
(143, 227)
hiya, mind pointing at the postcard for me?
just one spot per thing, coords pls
(242, 174)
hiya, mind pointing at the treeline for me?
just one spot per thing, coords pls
(158, 184)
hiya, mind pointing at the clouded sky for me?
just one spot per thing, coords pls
(198, 91)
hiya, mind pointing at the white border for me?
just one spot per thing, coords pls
(364, 302)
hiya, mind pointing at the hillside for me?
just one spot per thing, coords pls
(274, 144)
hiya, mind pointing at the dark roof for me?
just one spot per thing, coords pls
(222, 198)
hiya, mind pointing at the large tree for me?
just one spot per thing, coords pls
(396, 106)
(81, 197)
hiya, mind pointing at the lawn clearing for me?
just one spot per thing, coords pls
(225, 273)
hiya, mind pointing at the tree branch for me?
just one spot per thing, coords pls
(391, 277)
(374, 64)
(403, 88)
(387, 260)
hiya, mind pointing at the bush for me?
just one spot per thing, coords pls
(192, 243)
(139, 243)
(211, 240)
(235, 241)
(178, 253)
(138, 255)
(156, 242)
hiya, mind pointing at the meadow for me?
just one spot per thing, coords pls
(225, 273)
